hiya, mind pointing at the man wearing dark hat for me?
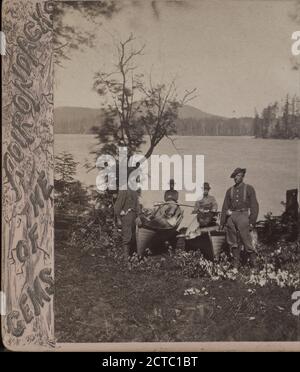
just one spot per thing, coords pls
(239, 214)
(171, 194)
(204, 207)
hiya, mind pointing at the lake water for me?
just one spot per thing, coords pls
(272, 165)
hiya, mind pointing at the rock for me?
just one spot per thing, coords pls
(177, 312)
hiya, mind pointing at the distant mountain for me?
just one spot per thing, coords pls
(188, 111)
(76, 119)
(191, 121)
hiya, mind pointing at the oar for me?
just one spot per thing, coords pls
(181, 205)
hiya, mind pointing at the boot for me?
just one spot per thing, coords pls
(253, 260)
(236, 257)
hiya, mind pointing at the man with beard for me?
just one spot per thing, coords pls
(239, 215)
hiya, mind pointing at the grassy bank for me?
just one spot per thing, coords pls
(99, 300)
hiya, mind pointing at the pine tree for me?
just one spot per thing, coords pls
(65, 167)
(297, 117)
(273, 129)
(257, 125)
(286, 118)
(293, 124)
(266, 121)
(70, 194)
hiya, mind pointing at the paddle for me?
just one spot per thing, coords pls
(163, 203)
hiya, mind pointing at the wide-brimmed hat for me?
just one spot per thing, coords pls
(206, 186)
(238, 170)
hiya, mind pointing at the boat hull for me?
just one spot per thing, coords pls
(152, 239)
(211, 244)
(162, 227)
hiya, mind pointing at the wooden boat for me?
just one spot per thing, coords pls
(209, 240)
(158, 227)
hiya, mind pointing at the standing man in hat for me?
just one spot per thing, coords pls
(127, 210)
(204, 207)
(239, 214)
(171, 194)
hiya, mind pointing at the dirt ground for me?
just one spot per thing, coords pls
(98, 299)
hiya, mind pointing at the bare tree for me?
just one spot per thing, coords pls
(135, 110)
(161, 113)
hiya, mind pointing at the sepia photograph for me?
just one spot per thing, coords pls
(151, 173)
(212, 78)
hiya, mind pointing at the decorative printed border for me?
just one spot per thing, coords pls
(27, 163)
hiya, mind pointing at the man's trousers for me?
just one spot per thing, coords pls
(128, 232)
(239, 222)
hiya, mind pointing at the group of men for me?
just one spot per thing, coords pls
(238, 216)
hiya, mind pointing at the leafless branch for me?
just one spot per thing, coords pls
(172, 141)
(188, 96)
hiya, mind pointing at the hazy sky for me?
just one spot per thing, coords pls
(236, 53)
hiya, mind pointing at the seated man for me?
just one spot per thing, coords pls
(205, 207)
(171, 194)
